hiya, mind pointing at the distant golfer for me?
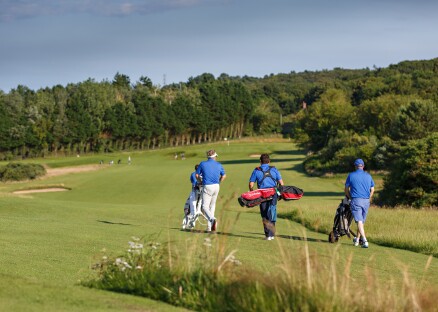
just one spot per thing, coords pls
(266, 177)
(210, 173)
(359, 187)
(195, 193)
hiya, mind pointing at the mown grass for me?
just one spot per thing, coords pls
(49, 241)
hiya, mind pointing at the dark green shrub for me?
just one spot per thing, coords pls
(341, 151)
(413, 179)
(20, 172)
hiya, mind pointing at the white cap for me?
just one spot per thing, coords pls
(212, 154)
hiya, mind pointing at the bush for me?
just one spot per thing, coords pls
(413, 179)
(341, 151)
(20, 172)
(6, 156)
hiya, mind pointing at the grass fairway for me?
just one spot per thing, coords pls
(48, 241)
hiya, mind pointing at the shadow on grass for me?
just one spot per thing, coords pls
(320, 194)
(290, 152)
(307, 239)
(115, 223)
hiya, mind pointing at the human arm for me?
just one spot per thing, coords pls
(223, 177)
(281, 182)
(251, 186)
(347, 191)
(199, 178)
(371, 193)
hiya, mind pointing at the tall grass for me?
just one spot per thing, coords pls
(206, 276)
(403, 228)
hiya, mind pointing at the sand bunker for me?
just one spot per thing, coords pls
(45, 190)
(53, 172)
(254, 155)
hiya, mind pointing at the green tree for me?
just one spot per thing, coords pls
(121, 81)
(323, 118)
(146, 82)
(415, 121)
(368, 89)
(376, 116)
(413, 179)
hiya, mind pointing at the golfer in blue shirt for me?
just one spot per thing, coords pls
(210, 174)
(194, 194)
(267, 177)
(359, 187)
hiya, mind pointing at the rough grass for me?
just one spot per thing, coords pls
(208, 277)
(409, 229)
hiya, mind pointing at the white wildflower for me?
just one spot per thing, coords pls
(236, 262)
(127, 265)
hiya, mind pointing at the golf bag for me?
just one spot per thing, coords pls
(186, 213)
(194, 196)
(290, 192)
(256, 197)
(342, 222)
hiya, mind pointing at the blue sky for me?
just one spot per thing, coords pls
(49, 42)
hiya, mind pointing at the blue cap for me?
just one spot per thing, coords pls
(359, 162)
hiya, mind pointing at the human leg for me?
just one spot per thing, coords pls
(272, 217)
(356, 211)
(209, 196)
(359, 208)
(214, 194)
(268, 225)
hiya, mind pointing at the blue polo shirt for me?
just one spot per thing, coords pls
(359, 183)
(211, 171)
(257, 175)
(193, 179)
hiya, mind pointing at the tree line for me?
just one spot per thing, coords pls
(387, 116)
(104, 116)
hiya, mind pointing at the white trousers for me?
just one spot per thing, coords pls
(209, 197)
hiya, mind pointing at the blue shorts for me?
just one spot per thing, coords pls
(359, 208)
